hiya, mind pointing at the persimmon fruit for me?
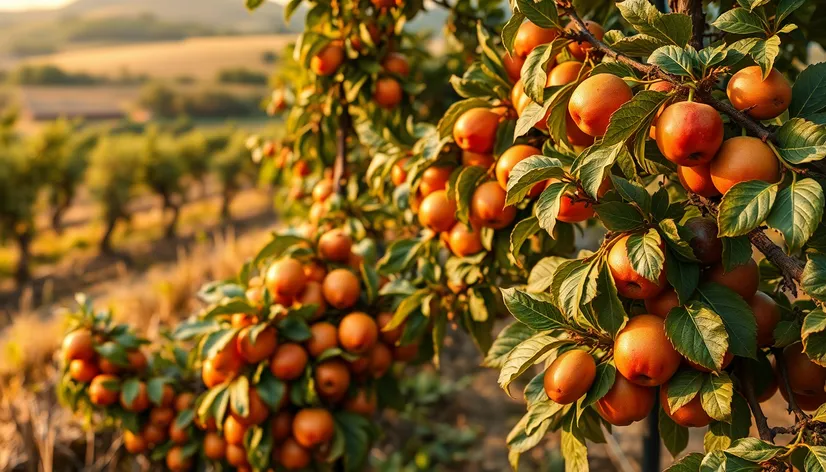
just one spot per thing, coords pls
(313, 427)
(464, 241)
(595, 99)
(626, 402)
(805, 377)
(629, 283)
(323, 336)
(690, 415)
(332, 379)
(234, 430)
(513, 66)
(475, 130)
(434, 178)
(529, 36)
(391, 336)
(743, 158)
(580, 50)
(762, 99)
(215, 447)
(743, 279)
(643, 353)
(286, 277)
(78, 344)
(328, 59)
(487, 207)
(689, 133)
(292, 456)
(341, 288)
(262, 348)
(570, 376)
(139, 402)
(662, 303)
(396, 63)
(335, 246)
(508, 160)
(83, 371)
(381, 358)
(358, 332)
(697, 179)
(437, 212)
(289, 361)
(388, 93)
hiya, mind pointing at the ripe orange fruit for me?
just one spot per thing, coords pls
(215, 447)
(257, 412)
(690, 415)
(743, 279)
(323, 336)
(360, 365)
(698, 180)
(176, 461)
(805, 377)
(396, 63)
(289, 361)
(508, 160)
(234, 430)
(707, 247)
(805, 402)
(767, 315)
(134, 443)
(335, 246)
(433, 179)
(358, 332)
(581, 50)
(137, 360)
(332, 379)
(566, 72)
(626, 402)
(464, 241)
(513, 66)
(341, 289)
(662, 303)
(139, 403)
(519, 98)
(487, 207)
(437, 212)
(595, 99)
(184, 401)
(405, 353)
(762, 99)
(475, 130)
(236, 456)
(576, 137)
(242, 320)
(262, 348)
(573, 210)
(78, 345)
(477, 159)
(743, 158)
(392, 336)
(292, 456)
(322, 190)
(689, 133)
(363, 403)
(629, 283)
(161, 415)
(381, 358)
(213, 376)
(106, 366)
(282, 426)
(167, 396)
(178, 435)
(570, 376)
(529, 36)
(313, 295)
(313, 427)
(154, 435)
(286, 277)
(228, 358)
(388, 93)
(642, 352)
(104, 389)
(328, 60)
(83, 371)
(314, 272)
(398, 175)
(206, 425)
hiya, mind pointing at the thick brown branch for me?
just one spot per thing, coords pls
(760, 420)
(790, 267)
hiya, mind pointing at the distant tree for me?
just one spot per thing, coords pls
(163, 170)
(19, 185)
(233, 167)
(160, 99)
(241, 75)
(191, 148)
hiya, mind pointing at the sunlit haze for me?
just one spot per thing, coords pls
(32, 4)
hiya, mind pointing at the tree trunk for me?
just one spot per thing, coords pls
(23, 273)
(57, 217)
(227, 200)
(694, 9)
(168, 204)
(106, 241)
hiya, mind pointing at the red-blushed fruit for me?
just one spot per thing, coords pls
(322, 190)
(580, 50)
(487, 207)
(434, 178)
(286, 277)
(707, 247)
(234, 430)
(292, 456)
(690, 415)
(513, 66)
(137, 403)
(314, 271)
(508, 160)
(134, 443)
(767, 316)
(762, 99)
(313, 294)
(529, 36)
(626, 402)
(281, 426)
(154, 435)
(396, 63)
(363, 403)
(743, 158)
(805, 402)
(323, 336)
(215, 447)
(78, 344)
(388, 93)
(161, 415)
(743, 279)
(662, 303)
(805, 377)
(332, 379)
(256, 351)
(595, 99)
(629, 283)
(105, 366)
(438, 212)
(137, 360)
(573, 210)
(570, 376)
(313, 427)
(178, 435)
(643, 353)
(391, 336)
(727, 358)
(341, 288)
(335, 246)
(289, 361)
(475, 130)
(397, 173)
(83, 371)
(358, 333)
(328, 59)
(697, 179)
(381, 358)
(477, 159)
(689, 133)
(256, 413)
(464, 241)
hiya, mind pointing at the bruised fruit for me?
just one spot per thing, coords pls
(313, 427)
(529, 36)
(643, 353)
(629, 283)
(595, 99)
(707, 247)
(743, 279)
(743, 158)
(767, 316)
(475, 130)
(358, 333)
(464, 241)
(341, 289)
(626, 402)
(761, 99)
(437, 212)
(289, 361)
(689, 133)
(487, 207)
(690, 415)
(697, 179)
(570, 376)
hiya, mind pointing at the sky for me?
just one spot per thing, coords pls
(29, 4)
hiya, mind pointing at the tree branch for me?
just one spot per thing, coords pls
(780, 363)
(760, 420)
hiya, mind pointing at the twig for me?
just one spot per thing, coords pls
(760, 420)
(780, 362)
(790, 267)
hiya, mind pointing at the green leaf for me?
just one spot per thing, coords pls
(253, 4)
(765, 52)
(813, 279)
(675, 60)
(809, 90)
(577, 286)
(632, 116)
(797, 212)
(755, 450)
(531, 115)
(745, 206)
(591, 165)
(683, 387)
(716, 396)
(739, 21)
(645, 254)
(813, 333)
(510, 337)
(522, 231)
(674, 436)
(573, 448)
(547, 205)
(542, 13)
(618, 216)
(687, 463)
(736, 315)
(673, 28)
(632, 192)
(698, 334)
(607, 306)
(510, 29)
(604, 380)
(815, 459)
(542, 273)
(399, 256)
(525, 355)
(786, 8)
(470, 177)
(528, 172)
(519, 441)
(721, 434)
(801, 141)
(533, 309)
(683, 276)
(534, 71)
(736, 252)
(638, 45)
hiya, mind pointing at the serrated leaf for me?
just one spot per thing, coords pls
(534, 310)
(801, 141)
(542, 13)
(645, 255)
(745, 206)
(698, 334)
(688, 463)
(683, 387)
(754, 450)
(528, 172)
(674, 28)
(813, 334)
(621, 217)
(736, 252)
(797, 212)
(716, 396)
(765, 52)
(736, 315)
(675, 60)
(813, 279)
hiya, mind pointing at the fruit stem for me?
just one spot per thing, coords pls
(691, 94)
